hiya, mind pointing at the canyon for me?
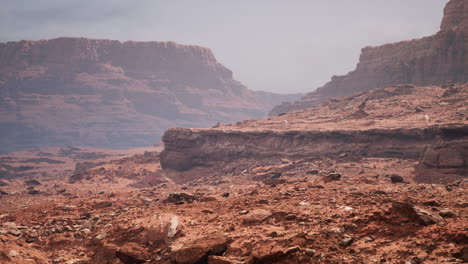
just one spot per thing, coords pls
(352, 173)
(433, 60)
(104, 93)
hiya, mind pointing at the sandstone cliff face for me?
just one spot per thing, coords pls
(455, 16)
(431, 60)
(104, 93)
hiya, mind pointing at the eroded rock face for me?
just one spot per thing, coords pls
(425, 124)
(455, 16)
(186, 148)
(447, 156)
(104, 93)
(433, 60)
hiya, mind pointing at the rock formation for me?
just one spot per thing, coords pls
(186, 148)
(104, 93)
(433, 60)
(425, 124)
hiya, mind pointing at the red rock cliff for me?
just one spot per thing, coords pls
(431, 60)
(104, 93)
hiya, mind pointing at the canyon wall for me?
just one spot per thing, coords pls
(104, 93)
(433, 60)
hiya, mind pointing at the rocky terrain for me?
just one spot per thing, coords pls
(429, 124)
(432, 60)
(58, 163)
(104, 93)
(378, 177)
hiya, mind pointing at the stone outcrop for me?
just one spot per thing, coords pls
(105, 93)
(447, 156)
(186, 148)
(428, 125)
(455, 16)
(432, 60)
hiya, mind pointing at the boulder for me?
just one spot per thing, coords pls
(197, 251)
(132, 253)
(32, 182)
(103, 204)
(34, 192)
(180, 198)
(332, 177)
(446, 213)
(395, 178)
(416, 214)
(156, 229)
(269, 252)
(256, 216)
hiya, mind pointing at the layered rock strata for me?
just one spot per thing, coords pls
(105, 93)
(432, 60)
(427, 125)
(187, 148)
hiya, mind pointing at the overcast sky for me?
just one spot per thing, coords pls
(273, 45)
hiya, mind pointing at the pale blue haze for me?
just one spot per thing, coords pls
(274, 45)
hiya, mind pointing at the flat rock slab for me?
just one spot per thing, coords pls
(256, 216)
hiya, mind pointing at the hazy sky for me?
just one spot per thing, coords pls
(274, 45)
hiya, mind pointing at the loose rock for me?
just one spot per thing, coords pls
(103, 204)
(332, 177)
(226, 260)
(32, 182)
(415, 214)
(446, 213)
(180, 198)
(256, 216)
(132, 253)
(395, 178)
(198, 251)
(347, 241)
(309, 252)
(33, 192)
